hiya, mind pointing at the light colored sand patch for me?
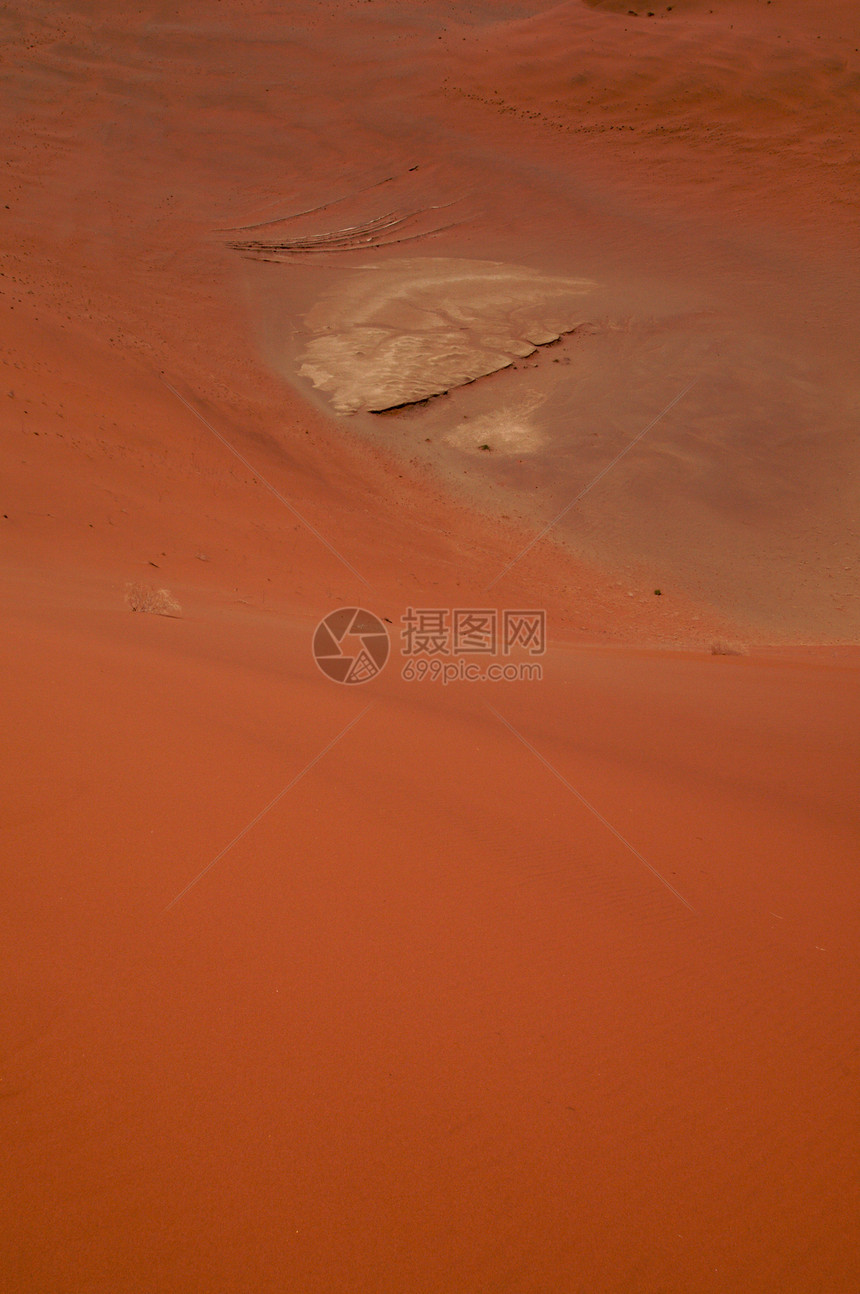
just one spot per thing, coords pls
(509, 430)
(409, 329)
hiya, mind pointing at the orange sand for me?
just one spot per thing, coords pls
(430, 1024)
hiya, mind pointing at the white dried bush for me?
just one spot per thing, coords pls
(158, 602)
(722, 648)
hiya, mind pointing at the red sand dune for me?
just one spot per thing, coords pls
(518, 987)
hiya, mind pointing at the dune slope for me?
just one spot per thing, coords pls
(504, 986)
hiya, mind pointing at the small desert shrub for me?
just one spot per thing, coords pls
(722, 648)
(158, 602)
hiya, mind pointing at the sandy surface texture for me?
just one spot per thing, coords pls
(483, 335)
